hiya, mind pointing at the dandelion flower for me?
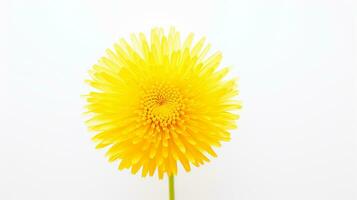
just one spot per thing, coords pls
(157, 102)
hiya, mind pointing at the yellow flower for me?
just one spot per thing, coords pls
(157, 102)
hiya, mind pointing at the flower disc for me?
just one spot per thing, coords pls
(158, 102)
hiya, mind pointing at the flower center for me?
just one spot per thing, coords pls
(162, 106)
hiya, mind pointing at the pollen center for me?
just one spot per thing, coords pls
(162, 106)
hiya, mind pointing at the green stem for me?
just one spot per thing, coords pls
(171, 187)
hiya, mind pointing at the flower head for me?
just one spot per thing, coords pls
(160, 101)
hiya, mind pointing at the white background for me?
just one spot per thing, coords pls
(296, 60)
